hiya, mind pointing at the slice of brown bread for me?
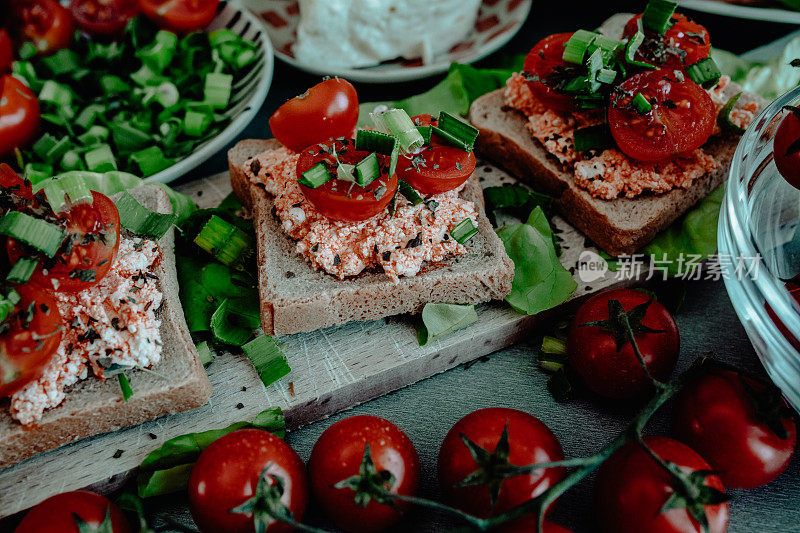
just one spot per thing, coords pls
(296, 298)
(93, 406)
(619, 226)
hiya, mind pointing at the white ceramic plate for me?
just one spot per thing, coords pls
(497, 22)
(716, 7)
(248, 93)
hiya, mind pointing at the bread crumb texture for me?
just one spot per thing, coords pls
(611, 174)
(399, 244)
(107, 326)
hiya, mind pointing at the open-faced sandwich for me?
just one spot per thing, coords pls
(366, 225)
(92, 337)
(627, 127)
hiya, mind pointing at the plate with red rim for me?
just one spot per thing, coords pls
(496, 24)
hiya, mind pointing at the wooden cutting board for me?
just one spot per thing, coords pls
(332, 369)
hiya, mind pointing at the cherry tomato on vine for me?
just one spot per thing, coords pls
(19, 115)
(345, 200)
(746, 431)
(684, 43)
(180, 16)
(31, 333)
(228, 473)
(60, 514)
(103, 17)
(541, 62)
(786, 147)
(328, 110)
(632, 489)
(681, 117)
(600, 352)
(88, 252)
(340, 453)
(506, 436)
(45, 23)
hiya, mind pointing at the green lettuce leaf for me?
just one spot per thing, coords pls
(540, 281)
(439, 320)
(769, 79)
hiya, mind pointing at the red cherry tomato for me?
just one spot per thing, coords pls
(541, 61)
(57, 514)
(344, 200)
(89, 250)
(529, 441)
(19, 115)
(728, 419)
(181, 16)
(338, 455)
(30, 336)
(103, 17)
(681, 119)
(227, 473)
(6, 51)
(327, 110)
(46, 23)
(786, 153)
(684, 43)
(528, 524)
(612, 372)
(631, 490)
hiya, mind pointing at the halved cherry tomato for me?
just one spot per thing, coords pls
(436, 169)
(88, 251)
(181, 16)
(541, 62)
(684, 43)
(681, 119)
(14, 190)
(6, 51)
(29, 337)
(103, 17)
(744, 430)
(46, 23)
(786, 148)
(344, 200)
(327, 110)
(19, 114)
(338, 455)
(59, 514)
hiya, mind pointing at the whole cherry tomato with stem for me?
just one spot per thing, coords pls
(328, 110)
(479, 457)
(240, 472)
(355, 461)
(45, 23)
(635, 493)
(786, 147)
(599, 347)
(74, 512)
(180, 16)
(685, 42)
(743, 428)
(19, 115)
(542, 62)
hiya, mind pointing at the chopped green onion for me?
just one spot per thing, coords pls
(608, 47)
(223, 240)
(724, 118)
(553, 346)
(25, 71)
(217, 90)
(315, 176)
(71, 161)
(409, 193)
(100, 159)
(151, 160)
(577, 45)
(166, 94)
(125, 385)
(45, 143)
(217, 37)
(145, 76)
(397, 122)
(267, 358)
(596, 137)
(22, 270)
(88, 115)
(641, 104)
(606, 75)
(226, 332)
(204, 353)
(426, 132)
(393, 160)
(367, 170)
(456, 131)
(56, 93)
(196, 123)
(464, 231)
(36, 172)
(375, 141)
(113, 85)
(27, 50)
(704, 73)
(657, 15)
(160, 52)
(34, 232)
(62, 62)
(630, 51)
(8, 302)
(128, 138)
(138, 219)
(594, 63)
(94, 135)
(70, 186)
(57, 151)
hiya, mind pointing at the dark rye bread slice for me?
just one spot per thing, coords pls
(297, 298)
(93, 406)
(619, 226)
